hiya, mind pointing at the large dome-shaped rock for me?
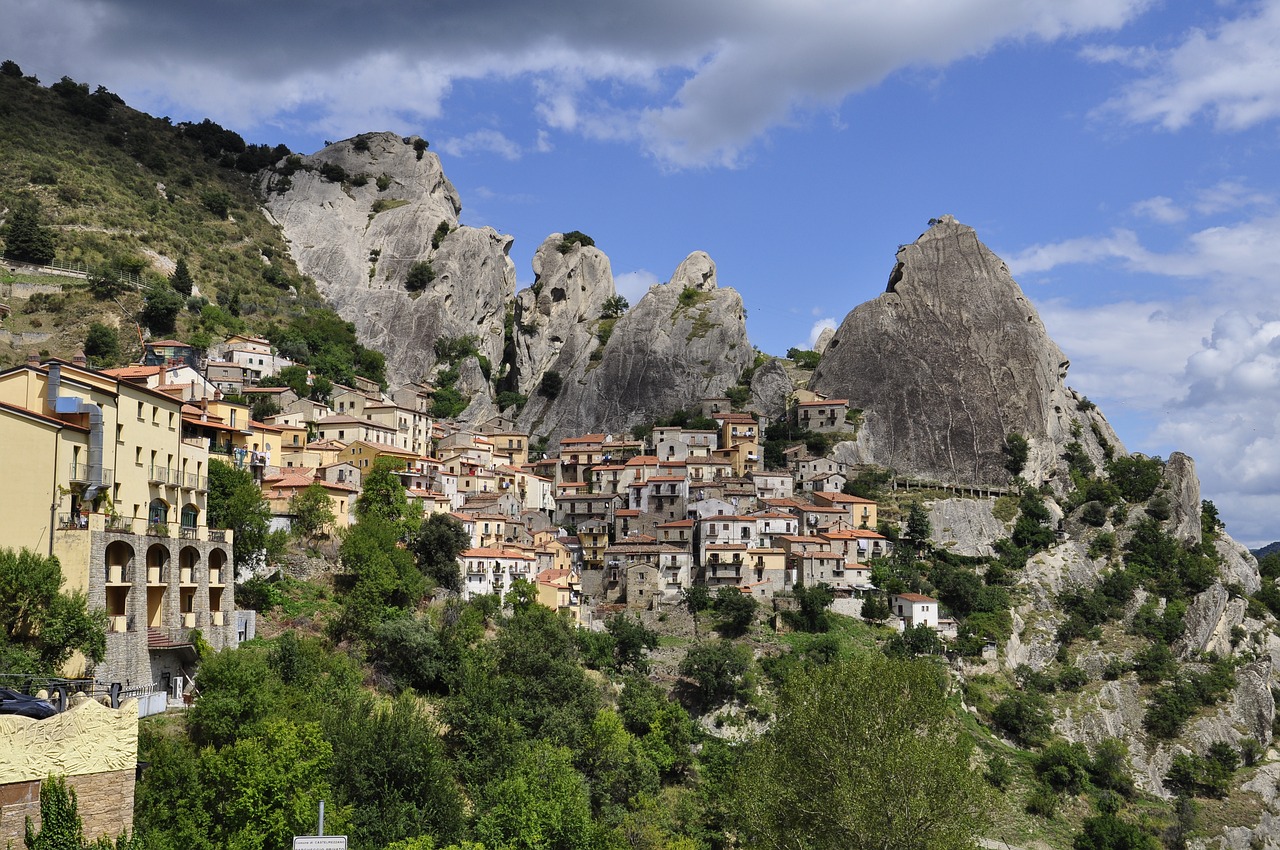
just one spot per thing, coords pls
(950, 360)
(558, 320)
(359, 215)
(771, 389)
(685, 340)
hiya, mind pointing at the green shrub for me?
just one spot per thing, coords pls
(572, 239)
(1064, 766)
(1015, 453)
(1024, 717)
(550, 384)
(420, 276)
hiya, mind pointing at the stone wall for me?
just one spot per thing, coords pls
(95, 747)
(105, 802)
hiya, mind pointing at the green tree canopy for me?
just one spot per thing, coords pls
(312, 511)
(235, 502)
(441, 539)
(863, 754)
(102, 345)
(160, 312)
(181, 280)
(41, 627)
(25, 237)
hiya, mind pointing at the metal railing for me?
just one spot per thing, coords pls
(186, 533)
(217, 535)
(158, 474)
(73, 522)
(121, 524)
(80, 474)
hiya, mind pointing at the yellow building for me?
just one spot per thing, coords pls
(106, 476)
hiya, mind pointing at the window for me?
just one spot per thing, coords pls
(170, 420)
(140, 416)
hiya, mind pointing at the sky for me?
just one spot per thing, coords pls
(1120, 155)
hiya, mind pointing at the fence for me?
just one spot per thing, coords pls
(84, 270)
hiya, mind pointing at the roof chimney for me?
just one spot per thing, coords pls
(33, 359)
(80, 360)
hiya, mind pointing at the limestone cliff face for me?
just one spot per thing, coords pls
(558, 319)
(359, 242)
(685, 340)
(947, 362)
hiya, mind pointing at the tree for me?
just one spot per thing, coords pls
(382, 495)
(180, 280)
(876, 735)
(60, 826)
(918, 527)
(1015, 453)
(160, 313)
(812, 614)
(735, 609)
(614, 306)
(25, 238)
(441, 539)
(102, 345)
(312, 511)
(235, 502)
(420, 276)
(1024, 717)
(717, 671)
(41, 627)
(550, 384)
(632, 639)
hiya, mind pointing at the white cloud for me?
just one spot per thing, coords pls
(633, 285)
(1160, 209)
(481, 141)
(817, 329)
(1230, 74)
(694, 83)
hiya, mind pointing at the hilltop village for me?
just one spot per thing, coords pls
(120, 459)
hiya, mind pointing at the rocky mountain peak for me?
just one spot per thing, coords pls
(696, 271)
(950, 360)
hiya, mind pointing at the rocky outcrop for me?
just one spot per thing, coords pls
(951, 359)
(770, 388)
(359, 237)
(684, 341)
(559, 320)
(965, 526)
(1181, 486)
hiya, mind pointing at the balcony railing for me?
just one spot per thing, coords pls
(80, 474)
(217, 535)
(73, 522)
(198, 442)
(121, 524)
(186, 533)
(158, 474)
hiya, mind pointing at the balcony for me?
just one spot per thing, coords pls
(158, 474)
(115, 574)
(217, 535)
(188, 533)
(119, 524)
(73, 522)
(80, 474)
(157, 529)
(198, 442)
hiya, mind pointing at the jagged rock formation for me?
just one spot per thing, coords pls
(685, 340)
(558, 320)
(771, 386)
(947, 362)
(360, 241)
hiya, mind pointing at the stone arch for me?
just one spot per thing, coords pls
(118, 561)
(157, 583)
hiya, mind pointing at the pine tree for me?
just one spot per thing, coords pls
(25, 238)
(180, 280)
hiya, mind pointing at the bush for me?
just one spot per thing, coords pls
(420, 276)
(1015, 453)
(1136, 477)
(441, 231)
(1064, 766)
(718, 671)
(803, 358)
(551, 384)
(160, 313)
(574, 238)
(333, 172)
(1024, 717)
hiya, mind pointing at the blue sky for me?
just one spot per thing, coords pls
(1119, 154)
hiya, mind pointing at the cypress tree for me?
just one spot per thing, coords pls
(25, 238)
(180, 280)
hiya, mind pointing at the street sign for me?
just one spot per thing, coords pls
(319, 842)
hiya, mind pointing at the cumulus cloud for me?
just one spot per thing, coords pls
(1203, 374)
(1230, 74)
(693, 83)
(633, 285)
(1160, 209)
(481, 141)
(817, 329)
